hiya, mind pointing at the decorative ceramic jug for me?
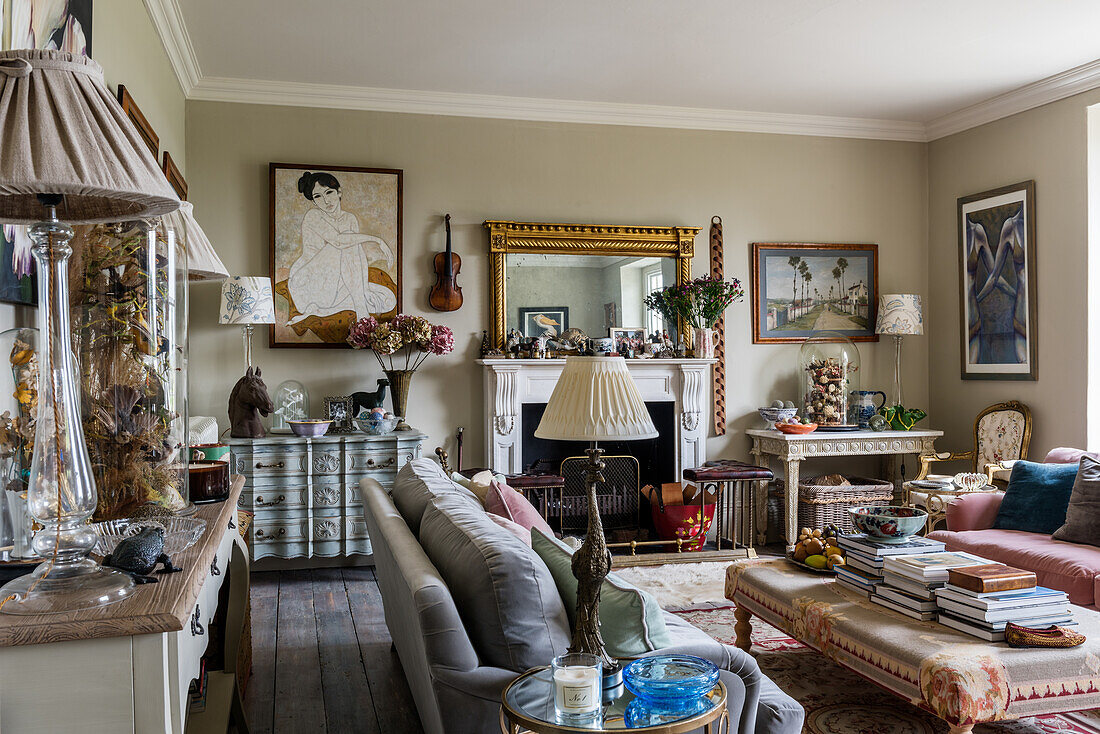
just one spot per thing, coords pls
(863, 403)
(704, 343)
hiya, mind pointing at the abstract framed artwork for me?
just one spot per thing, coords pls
(997, 301)
(335, 250)
(800, 288)
(18, 279)
(49, 24)
(548, 321)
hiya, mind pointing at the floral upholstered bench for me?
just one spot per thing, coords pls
(961, 679)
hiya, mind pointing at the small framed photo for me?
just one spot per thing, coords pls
(338, 410)
(618, 333)
(548, 321)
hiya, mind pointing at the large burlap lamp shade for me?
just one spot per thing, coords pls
(69, 155)
(203, 262)
(64, 133)
(595, 399)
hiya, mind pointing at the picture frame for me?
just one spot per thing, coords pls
(548, 321)
(321, 285)
(135, 115)
(18, 269)
(338, 409)
(41, 24)
(618, 333)
(999, 325)
(175, 178)
(789, 300)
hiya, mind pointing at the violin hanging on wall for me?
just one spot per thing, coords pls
(446, 294)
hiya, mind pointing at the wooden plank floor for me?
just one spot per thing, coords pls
(322, 661)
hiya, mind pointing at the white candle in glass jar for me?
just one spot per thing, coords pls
(577, 689)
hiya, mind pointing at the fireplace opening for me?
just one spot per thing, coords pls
(618, 499)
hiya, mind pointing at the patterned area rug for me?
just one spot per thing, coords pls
(838, 701)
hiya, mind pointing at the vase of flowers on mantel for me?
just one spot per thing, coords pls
(699, 303)
(412, 336)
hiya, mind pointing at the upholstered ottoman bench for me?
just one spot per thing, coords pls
(961, 679)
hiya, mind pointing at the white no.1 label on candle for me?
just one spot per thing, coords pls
(577, 690)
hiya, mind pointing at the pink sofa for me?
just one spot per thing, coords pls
(1070, 567)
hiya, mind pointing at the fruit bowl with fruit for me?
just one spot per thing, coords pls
(817, 550)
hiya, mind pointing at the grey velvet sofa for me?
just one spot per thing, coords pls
(454, 690)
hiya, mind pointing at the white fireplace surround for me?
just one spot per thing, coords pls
(510, 383)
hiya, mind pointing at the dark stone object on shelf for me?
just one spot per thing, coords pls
(247, 402)
(138, 555)
(368, 400)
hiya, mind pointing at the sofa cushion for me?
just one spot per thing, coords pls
(417, 483)
(1083, 515)
(1036, 498)
(505, 595)
(522, 533)
(1068, 567)
(631, 621)
(508, 503)
(1064, 455)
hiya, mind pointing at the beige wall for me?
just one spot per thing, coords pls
(126, 46)
(1047, 144)
(766, 187)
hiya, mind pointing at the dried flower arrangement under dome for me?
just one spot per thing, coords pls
(17, 431)
(830, 374)
(126, 306)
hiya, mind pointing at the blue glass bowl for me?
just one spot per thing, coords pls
(666, 680)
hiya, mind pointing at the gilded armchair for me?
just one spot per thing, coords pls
(1002, 434)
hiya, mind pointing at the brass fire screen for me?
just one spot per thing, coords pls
(616, 497)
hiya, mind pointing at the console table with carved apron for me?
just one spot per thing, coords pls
(793, 449)
(305, 491)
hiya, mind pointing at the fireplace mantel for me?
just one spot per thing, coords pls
(509, 383)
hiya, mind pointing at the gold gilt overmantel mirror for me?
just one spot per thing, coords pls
(548, 277)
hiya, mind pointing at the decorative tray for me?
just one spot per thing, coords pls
(811, 569)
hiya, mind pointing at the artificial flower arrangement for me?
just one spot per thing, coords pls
(700, 302)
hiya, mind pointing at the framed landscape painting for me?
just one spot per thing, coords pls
(335, 251)
(800, 288)
(997, 282)
(548, 321)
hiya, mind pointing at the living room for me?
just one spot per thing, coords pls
(464, 152)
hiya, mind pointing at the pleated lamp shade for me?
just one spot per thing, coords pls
(203, 262)
(64, 133)
(596, 400)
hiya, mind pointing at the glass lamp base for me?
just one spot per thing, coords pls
(85, 585)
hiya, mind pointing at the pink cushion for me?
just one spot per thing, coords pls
(1068, 567)
(1064, 455)
(975, 511)
(511, 505)
(514, 528)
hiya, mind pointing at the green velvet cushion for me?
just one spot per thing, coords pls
(1037, 497)
(631, 622)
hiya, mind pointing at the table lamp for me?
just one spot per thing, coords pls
(899, 314)
(247, 300)
(594, 400)
(68, 150)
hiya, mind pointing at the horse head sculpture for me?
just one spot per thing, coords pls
(247, 401)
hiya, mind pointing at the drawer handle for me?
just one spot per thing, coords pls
(278, 500)
(197, 629)
(214, 570)
(260, 465)
(372, 464)
(260, 532)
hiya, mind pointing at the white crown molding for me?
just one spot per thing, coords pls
(168, 22)
(297, 94)
(1066, 84)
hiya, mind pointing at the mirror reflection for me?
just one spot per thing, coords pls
(548, 294)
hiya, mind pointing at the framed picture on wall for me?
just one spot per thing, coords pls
(548, 321)
(800, 288)
(65, 26)
(335, 250)
(997, 303)
(18, 278)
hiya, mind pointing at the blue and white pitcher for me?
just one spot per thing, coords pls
(863, 404)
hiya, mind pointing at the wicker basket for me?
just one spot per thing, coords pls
(820, 505)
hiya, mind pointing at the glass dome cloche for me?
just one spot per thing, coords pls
(829, 375)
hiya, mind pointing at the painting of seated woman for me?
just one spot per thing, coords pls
(335, 251)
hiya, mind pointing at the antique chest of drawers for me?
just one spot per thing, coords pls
(304, 491)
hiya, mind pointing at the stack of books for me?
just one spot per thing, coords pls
(910, 582)
(982, 600)
(863, 560)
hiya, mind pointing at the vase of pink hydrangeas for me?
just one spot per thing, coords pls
(412, 337)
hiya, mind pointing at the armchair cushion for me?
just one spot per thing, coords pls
(974, 511)
(1036, 498)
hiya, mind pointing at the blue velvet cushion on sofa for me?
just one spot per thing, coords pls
(1037, 497)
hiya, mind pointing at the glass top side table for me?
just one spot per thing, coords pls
(528, 705)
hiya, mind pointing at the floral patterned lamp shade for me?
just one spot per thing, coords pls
(203, 262)
(899, 314)
(247, 300)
